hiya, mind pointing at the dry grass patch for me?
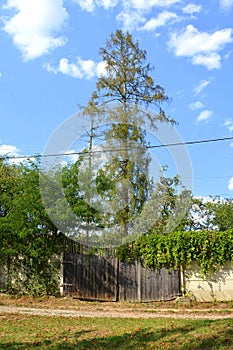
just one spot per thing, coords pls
(77, 304)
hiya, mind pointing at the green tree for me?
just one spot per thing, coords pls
(128, 79)
(126, 97)
(9, 189)
(221, 212)
(8, 184)
(86, 208)
(29, 240)
(200, 215)
(211, 214)
(168, 208)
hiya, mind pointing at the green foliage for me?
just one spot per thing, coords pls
(210, 249)
(128, 78)
(212, 214)
(126, 253)
(123, 182)
(122, 99)
(222, 214)
(28, 239)
(170, 206)
(71, 179)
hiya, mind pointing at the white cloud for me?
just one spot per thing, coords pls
(192, 8)
(9, 150)
(130, 20)
(132, 14)
(72, 157)
(86, 5)
(90, 5)
(202, 47)
(204, 116)
(202, 85)
(230, 184)
(196, 105)
(205, 199)
(147, 4)
(191, 42)
(226, 4)
(81, 69)
(162, 19)
(228, 124)
(128, 5)
(100, 69)
(211, 60)
(14, 155)
(35, 25)
(107, 4)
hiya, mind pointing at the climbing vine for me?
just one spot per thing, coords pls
(210, 249)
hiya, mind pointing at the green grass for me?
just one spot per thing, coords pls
(37, 332)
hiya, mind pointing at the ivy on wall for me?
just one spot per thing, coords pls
(210, 249)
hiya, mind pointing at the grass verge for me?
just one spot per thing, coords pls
(39, 332)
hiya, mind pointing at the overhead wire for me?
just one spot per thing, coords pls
(193, 142)
(6, 156)
(38, 156)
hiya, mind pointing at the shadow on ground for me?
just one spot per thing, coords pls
(192, 336)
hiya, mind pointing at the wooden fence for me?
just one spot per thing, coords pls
(100, 278)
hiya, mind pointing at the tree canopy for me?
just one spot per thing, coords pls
(28, 237)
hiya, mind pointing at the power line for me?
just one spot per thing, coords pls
(116, 149)
(192, 142)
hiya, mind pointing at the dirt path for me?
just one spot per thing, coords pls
(121, 313)
(72, 307)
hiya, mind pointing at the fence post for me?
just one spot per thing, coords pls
(61, 274)
(117, 271)
(182, 280)
(139, 278)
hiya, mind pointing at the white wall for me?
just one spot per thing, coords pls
(217, 287)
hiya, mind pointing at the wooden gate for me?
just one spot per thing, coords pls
(90, 277)
(138, 283)
(99, 278)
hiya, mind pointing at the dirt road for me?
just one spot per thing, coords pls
(106, 311)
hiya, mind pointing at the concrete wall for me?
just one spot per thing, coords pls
(217, 287)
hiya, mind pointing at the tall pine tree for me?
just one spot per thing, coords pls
(126, 97)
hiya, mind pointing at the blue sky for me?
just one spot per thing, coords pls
(49, 64)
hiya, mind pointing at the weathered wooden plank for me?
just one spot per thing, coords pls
(128, 281)
(92, 277)
(100, 278)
